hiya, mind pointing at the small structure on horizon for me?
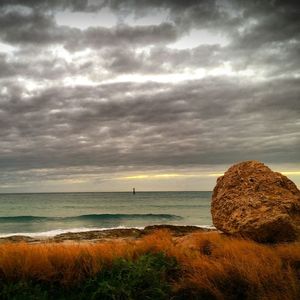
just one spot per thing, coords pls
(133, 191)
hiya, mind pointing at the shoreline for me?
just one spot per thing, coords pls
(188, 261)
(95, 235)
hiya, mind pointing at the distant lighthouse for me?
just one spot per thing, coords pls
(133, 191)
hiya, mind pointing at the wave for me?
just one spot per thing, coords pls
(90, 217)
(54, 232)
(22, 219)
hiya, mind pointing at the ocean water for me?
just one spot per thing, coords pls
(54, 213)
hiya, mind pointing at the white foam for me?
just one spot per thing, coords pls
(55, 232)
(206, 226)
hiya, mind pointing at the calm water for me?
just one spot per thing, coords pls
(49, 214)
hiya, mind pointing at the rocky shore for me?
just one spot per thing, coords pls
(108, 234)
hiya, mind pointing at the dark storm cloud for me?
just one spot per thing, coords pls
(67, 110)
(180, 123)
(123, 35)
(6, 70)
(38, 28)
(121, 6)
(161, 59)
(76, 5)
(183, 13)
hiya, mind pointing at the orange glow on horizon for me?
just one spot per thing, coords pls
(182, 175)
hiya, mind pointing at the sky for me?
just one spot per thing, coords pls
(162, 95)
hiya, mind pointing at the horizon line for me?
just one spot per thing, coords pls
(85, 192)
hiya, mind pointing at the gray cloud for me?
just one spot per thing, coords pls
(68, 109)
(181, 123)
(35, 28)
(40, 29)
(76, 5)
(124, 35)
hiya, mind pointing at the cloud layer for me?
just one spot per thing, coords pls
(86, 104)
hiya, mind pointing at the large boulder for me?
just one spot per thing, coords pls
(254, 202)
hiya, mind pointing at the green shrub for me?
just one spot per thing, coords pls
(148, 277)
(22, 291)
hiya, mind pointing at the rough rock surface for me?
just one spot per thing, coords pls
(252, 201)
(133, 233)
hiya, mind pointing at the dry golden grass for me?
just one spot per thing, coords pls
(220, 266)
(211, 264)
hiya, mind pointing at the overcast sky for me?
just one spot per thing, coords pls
(158, 95)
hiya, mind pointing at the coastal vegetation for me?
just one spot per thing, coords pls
(158, 266)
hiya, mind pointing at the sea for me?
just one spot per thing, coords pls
(49, 214)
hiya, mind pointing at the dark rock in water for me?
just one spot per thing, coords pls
(17, 239)
(108, 234)
(175, 230)
(99, 234)
(132, 233)
(254, 202)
